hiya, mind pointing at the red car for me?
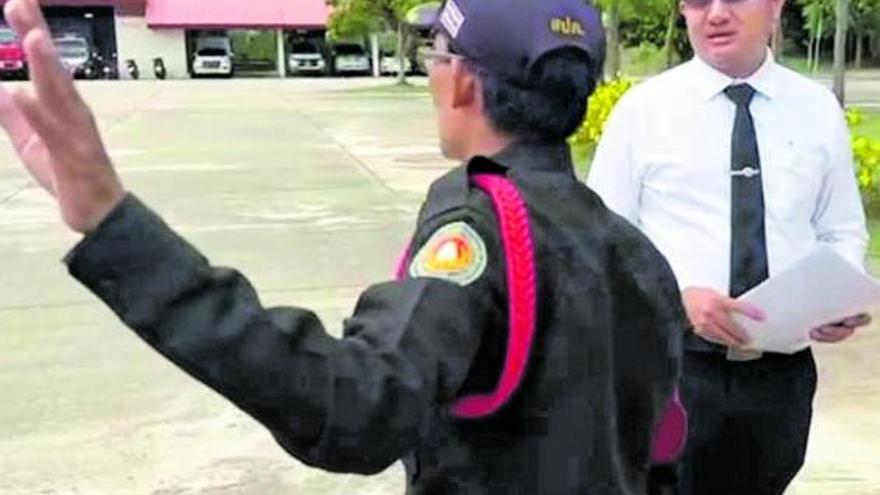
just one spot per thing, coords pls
(12, 60)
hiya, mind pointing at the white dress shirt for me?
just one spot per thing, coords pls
(665, 157)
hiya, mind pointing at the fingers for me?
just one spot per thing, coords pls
(831, 334)
(53, 84)
(26, 142)
(717, 326)
(840, 331)
(857, 321)
(725, 329)
(13, 121)
(733, 329)
(37, 117)
(710, 313)
(25, 15)
(745, 308)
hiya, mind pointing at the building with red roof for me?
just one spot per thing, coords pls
(142, 30)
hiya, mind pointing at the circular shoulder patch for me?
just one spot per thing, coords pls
(455, 252)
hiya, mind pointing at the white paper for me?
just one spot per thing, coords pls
(821, 288)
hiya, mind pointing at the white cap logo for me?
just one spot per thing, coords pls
(452, 18)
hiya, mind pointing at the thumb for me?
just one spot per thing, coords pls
(746, 309)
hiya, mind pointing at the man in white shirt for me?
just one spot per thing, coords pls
(735, 167)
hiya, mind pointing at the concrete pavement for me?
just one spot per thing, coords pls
(310, 187)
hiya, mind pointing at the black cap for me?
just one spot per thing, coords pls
(508, 37)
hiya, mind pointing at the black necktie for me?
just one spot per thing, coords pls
(748, 245)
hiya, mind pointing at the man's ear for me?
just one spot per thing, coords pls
(778, 5)
(464, 84)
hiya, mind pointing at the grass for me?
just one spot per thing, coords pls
(799, 64)
(870, 126)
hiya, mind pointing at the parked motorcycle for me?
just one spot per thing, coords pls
(132, 69)
(109, 68)
(159, 68)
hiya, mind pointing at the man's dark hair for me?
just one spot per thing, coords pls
(550, 108)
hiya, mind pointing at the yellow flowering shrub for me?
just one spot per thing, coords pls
(598, 109)
(854, 116)
(866, 154)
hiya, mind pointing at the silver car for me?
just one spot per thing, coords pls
(76, 57)
(305, 58)
(212, 62)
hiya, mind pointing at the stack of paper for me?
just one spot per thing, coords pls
(820, 288)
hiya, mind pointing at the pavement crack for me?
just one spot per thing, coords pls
(7, 200)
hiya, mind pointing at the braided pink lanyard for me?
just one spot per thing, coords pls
(516, 237)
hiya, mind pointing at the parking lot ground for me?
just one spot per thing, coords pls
(310, 187)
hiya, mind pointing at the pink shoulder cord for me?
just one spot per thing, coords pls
(670, 435)
(518, 248)
(516, 238)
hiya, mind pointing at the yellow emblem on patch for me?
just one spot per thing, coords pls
(566, 26)
(455, 252)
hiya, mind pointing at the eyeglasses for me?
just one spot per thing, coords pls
(432, 57)
(702, 4)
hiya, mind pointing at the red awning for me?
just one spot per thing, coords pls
(230, 14)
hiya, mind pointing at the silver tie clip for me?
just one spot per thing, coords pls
(747, 172)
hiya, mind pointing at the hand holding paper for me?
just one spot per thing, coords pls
(818, 290)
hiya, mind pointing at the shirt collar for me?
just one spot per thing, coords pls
(533, 156)
(711, 82)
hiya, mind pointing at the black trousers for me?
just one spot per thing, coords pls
(748, 422)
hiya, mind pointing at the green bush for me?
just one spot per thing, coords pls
(599, 108)
(866, 153)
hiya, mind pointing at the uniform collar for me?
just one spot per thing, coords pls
(711, 82)
(537, 157)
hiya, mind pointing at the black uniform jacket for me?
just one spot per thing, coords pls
(604, 362)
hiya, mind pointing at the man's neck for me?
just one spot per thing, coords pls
(750, 69)
(746, 70)
(487, 143)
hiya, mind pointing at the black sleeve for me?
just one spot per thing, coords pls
(354, 404)
(650, 316)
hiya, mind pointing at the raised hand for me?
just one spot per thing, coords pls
(53, 130)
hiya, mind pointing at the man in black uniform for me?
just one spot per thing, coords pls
(522, 356)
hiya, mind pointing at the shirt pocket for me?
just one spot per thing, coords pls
(665, 171)
(792, 182)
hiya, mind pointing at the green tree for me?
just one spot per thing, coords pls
(358, 18)
(655, 22)
(818, 15)
(672, 14)
(611, 18)
(864, 20)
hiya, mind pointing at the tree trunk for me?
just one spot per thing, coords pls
(401, 55)
(668, 47)
(810, 52)
(842, 14)
(817, 51)
(612, 64)
(860, 45)
(874, 44)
